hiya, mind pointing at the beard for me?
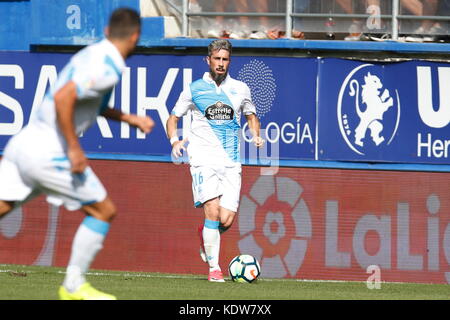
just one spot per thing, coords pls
(218, 78)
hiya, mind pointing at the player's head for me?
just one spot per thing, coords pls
(124, 27)
(219, 56)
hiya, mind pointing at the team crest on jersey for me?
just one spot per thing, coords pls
(368, 111)
(219, 111)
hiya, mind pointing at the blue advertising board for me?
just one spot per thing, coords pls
(310, 108)
(284, 90)
(384, 112)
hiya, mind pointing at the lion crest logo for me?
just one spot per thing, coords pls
(368, 113)
(376, 104)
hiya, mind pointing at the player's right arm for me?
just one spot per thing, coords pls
(172, 128)
(182, 106)
(65, 100)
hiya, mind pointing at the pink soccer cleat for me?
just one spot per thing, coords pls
(216, 276)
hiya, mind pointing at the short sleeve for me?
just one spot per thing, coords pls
(93, 80)
(184, 103)
(247, 104)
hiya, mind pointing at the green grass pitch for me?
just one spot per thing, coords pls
(19, 282)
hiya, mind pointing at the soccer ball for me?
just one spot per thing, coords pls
(244, 268)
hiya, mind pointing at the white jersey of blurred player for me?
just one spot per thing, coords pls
(95, 71)
(43, 144)
(214, 148)
(46, 156)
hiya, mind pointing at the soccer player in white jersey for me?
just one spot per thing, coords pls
(46, 156)
(216, 102)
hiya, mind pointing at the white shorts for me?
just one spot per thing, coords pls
(209, 182)
(23, 178)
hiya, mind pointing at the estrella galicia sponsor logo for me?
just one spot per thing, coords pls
(368, 111)
(219, 111)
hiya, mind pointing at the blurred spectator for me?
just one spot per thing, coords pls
(428, 29)
(444, 10)
(194, 6)
(242, 31)
(263, 30)
(267, 29)
(358, 27)
(218, 28)
(244, 28)
(414, 7)
(300, 6)
(373, 29)
(221, 29)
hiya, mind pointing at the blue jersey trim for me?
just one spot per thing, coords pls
(109, 61)
(60, 159)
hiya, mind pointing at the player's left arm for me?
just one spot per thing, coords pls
(249, 110)
(255, 129)
(144, 123)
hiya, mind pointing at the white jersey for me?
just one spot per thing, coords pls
(95, 70)
(216, 117)
(35, 159)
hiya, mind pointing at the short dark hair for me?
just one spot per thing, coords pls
(219, 44)
(123, 22)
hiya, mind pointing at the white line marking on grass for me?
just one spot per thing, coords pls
(140, 275)
(198, 277)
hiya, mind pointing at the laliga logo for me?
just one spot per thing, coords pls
(275, 225)
(370, 126)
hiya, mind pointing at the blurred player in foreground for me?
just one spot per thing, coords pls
(216, 102)
(46, 155)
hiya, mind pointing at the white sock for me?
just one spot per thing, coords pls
(87, 242)
(211, 241)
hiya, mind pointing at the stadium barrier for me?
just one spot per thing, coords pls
(303, 223)
(355, 173)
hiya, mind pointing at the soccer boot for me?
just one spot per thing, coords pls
(216, 276)
(84, 292)
(202, 246)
